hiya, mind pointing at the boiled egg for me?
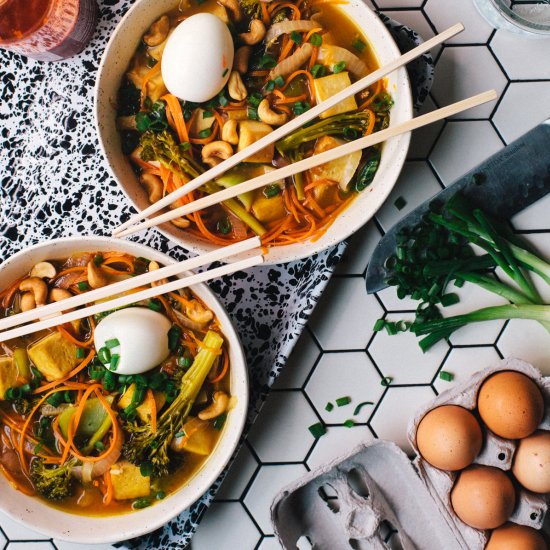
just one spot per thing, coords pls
(136, 337)
(516, 537)
(483, 497)
(449, 437)
(510, 404)
(532, 462)
(198, 57)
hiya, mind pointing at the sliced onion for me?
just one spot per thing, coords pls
(285, 27)
(292, 63)
(330, 55)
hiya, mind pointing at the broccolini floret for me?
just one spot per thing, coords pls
(252, 8)
(53, 483)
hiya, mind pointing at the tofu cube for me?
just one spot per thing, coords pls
(201, 442)
(144, 411)
(198, 123)
(8, 375)
(250, 131)
(54, 356)
(128, 483)
(269, 209)
(327, 86)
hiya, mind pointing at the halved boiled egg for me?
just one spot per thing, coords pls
(136, 339)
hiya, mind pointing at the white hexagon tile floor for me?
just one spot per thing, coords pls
(338, 355)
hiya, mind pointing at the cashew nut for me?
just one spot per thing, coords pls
(153, 186)
(44, 270)
(37, 287)
(215, 152)
(154, 266)
(58, 294)
(96, 276)
(256, 33)
(27, 301)
(229, 131)
(158, 31)
(270, 117)
(182, 223)
(234, 7)
(197, 313)
(241, 59)
(236, 88)
(220, 403)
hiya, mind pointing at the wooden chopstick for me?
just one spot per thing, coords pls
(316, 160)
(223, 253)
(132, 298)
(290, 126)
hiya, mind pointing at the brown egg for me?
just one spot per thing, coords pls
(449, 437)
(483, 497)
(532, 462)
(510, 404)
(516, 537)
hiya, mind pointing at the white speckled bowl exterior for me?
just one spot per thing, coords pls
(115, 60)
(34, 513)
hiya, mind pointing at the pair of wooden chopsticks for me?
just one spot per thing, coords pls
(128, 227)
(49, 315)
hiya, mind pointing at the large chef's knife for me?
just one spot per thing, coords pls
(503, 185)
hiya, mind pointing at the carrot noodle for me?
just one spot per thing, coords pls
(68, 336)
(372, 121)
(265, 14)
(147, 167)
(286, 48)
(318, 182)
(309, 77)
(146, 80)
(223, 371)
(174, 106)
(108, 497)
(75, 371)
(312, 31)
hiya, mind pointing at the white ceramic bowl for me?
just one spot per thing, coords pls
(34, 513)
(115, 60)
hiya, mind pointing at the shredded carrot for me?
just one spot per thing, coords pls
(108, 497)
(146, 166)
(318, 182)
(309, 77)
(312, 31)
(67, 335)
(372, 121)
(75, 371)
(152, 72)
(265, 14)
(210, 138)
(174, 106)
(291, 99)
(286, 48)
(224, 370)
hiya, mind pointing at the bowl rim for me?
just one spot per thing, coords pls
(299, 251)
(100, 531)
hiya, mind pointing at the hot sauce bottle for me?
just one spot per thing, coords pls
(47, 30)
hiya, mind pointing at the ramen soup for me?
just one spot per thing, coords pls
(114, 412)
(180, 114)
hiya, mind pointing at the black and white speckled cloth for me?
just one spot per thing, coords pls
(55, 183)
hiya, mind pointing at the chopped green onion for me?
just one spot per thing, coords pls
(267, 62)
(400, 203)
(115, 360)
(80, 353)
(55, 399)
(154, 304)
(329, 406)
(207, 132)
(342, 401)
(112, 343)
(349, 423)
(83, 286)
(225, 72)
(318, 70)
(301, 107)
(317, 430)
(386, 381)
(98, 259)
(271, 190)
(141, 503)
(184, 362)
(220, 421)
(146, 469)
(296, 37)
(185, 146)
(104, 355)
(351, 133)
(99, 446)
(252, 113)
(391, 328)
(360, 406)
(359, 45)
(160, 495)
(224, 226)
(222, 100)
(379, 325)
(339, 67)
(447, 376)
(270, 86)
(174, 335)
(207, 114)
(279, 81)
(449, 299)
(255, 98)
(316, 39)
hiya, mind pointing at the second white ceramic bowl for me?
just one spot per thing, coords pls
(116, 58)
(34, 513)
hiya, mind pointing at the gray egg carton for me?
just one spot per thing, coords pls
(376, 498)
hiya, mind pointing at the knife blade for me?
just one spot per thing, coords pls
(507, 182)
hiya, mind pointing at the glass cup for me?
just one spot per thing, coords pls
(47, 30)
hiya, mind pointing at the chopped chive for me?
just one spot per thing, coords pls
(317, 430)
(174, 335)
(115, 360)
(222, 100)
(449, 299)
(316, 39)
(329, 406)
(386, 381)
(391, 328)
(349, 423)
(400, 203)
(267, 62)
(205, 133)
(271, 190)
(112, 343)
(279, 81)
(104, 355)
(379, 325)
(255, 98)
(80, 353)
(98, 259)
(343, 401)
(252, 113)
(318, 70)
(360, 406)
(447, 376)
(301, 107)
(220, 421)
(83, 286)
(270, 86)
(141, 503)
(339, 67)
(160, 495)
(459, 283)
(146, 469)
(359, 45)
(296, 37)
(207, 114)
(154, 304)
